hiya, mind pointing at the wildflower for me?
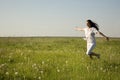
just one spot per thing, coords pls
(34, 65)
(16, 73)
(24, 77)
(3, 65)
(43, 62)
(101, 68)
(36, 68)
(87, 68)
(7, 73)
(104, 71)
(29, 50)
(116, 67)
(10, 56)
(58, 70)
(21, 54)
(39, 77)
(48, 60)
(66, 62)
(41, 72)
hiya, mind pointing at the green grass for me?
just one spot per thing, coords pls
(58, 59)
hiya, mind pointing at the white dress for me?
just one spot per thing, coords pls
(90, 37)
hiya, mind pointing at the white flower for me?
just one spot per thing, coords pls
(58, 70)
(7, 73)
(36, 68)
(48, 60)
(29, 50)
(10, 56)
(116, 67)
(34, 65)
(39, 77)
(2, 65)
(41, 72)
(101, 68)
(16, 73)
(66, 62)
(43, 62)
(21, 54)
(87, 68)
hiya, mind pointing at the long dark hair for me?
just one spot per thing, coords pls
(92, 24)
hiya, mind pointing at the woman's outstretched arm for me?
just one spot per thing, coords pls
(103, 35)
(79, 29)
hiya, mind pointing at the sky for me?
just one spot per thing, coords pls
(57, 17)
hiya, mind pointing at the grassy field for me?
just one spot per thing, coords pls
(58, 59)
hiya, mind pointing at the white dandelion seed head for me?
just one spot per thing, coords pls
(2, 65)
(39, 77)
(10, 56)
(41, 72)
(21, 54)
(7, 73)
(16, 73)
(87, 67)
(34, 65)
(116, 67)
(66, 62)
(43, 62)
(58, 70)
(101, 68)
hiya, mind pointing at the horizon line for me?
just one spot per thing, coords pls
(47, 36)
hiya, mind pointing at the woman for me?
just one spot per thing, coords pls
(90, 31)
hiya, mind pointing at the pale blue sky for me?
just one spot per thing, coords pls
(57, 17)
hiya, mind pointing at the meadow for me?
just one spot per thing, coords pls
(58, 58)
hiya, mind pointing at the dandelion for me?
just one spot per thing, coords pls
(58, 70)
(39, 77)
(104, 71)
(36, 68)
(29, 50)
(2, 65)
(10, 56)
(24, 77)
(66, 62)
(7, 73)
(48, 60)
(21, 54)
(16, 73)
(43, 62)
(116, 67)
(87, 68)
(41, 72)
(34, 65)
(101, 68)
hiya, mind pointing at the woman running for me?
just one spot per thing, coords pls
(90, 31)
